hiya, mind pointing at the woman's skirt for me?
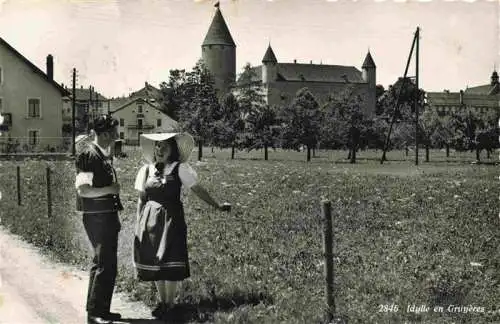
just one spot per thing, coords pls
(160, 244)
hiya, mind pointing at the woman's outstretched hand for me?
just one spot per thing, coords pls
(225, 207)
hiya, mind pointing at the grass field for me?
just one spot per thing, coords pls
(403, 235)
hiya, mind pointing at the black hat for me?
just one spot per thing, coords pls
(104, 123)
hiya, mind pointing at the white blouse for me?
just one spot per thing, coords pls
(187, 175)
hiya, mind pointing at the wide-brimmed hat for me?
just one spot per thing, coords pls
(185, 143)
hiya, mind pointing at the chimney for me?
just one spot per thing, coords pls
(50, 67)
(295, 61)
(461, 97)
(310, 62)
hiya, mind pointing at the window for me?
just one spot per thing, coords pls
(1, 75)
(139, 123)
(33, 136)
(1, 105)
(122, 122)
(158, 123)
(140, 110)
(122, 135)
(34, 108)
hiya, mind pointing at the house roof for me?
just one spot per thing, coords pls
(453, 99)
(35, 69)
(368, 63)
(313, 73)
(84, 94)
(148, 91)
(269, 56)
(218, 32)
(133, 100)
(486, 90)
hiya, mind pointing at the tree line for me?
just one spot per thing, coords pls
(242, 120)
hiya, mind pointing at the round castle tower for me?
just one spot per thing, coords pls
(218, 52)
(269, 67)
(369, 71)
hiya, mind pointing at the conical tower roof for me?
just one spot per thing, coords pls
(369, 63)
(218, 33)
(269, 57)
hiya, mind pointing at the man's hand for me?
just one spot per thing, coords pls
(115, 188)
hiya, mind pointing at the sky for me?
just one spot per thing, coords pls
(118, 45)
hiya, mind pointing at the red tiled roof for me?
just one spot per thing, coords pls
(63, 91)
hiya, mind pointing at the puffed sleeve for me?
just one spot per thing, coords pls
(188, 175)
(85, 164)
(140, 179)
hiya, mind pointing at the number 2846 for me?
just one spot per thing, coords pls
(384, 308)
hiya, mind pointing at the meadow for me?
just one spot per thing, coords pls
(403, 235)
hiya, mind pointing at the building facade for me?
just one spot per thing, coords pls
(138, 116)
(31, 103)
(483, 99)
(281, 81)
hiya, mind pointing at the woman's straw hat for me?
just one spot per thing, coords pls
(185, 143)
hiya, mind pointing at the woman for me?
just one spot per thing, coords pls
(160, 247)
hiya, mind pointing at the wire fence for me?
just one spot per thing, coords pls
(49, 222)
(34, 144)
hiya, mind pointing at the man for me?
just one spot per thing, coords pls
(98, 198)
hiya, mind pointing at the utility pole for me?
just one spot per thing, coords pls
(73, 112)
(91, 110)
(417, 95)
(396, 108)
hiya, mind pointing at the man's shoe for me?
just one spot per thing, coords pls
(97, 320)
(112, 316)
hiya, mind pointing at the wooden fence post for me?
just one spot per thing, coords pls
(49, 205)
(328, 252)
(18, 175)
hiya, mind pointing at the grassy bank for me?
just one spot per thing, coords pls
(403, 235)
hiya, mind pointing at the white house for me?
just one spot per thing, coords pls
(138, 116)
(31, 102)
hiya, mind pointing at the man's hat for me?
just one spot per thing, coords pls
(185, 143)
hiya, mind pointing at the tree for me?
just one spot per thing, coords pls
(231, 125)
(249, 92)
(301, 122)
(345, 112)
(261, 129)
(464, 124)
(443, 134)
(487, 133)
(202, 110)
(174, 94)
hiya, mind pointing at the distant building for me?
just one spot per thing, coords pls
(30, 101)
(281, 81)
(480, 99)
(140, 114)
(88, 105)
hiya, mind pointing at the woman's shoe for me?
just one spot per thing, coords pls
(160, 311)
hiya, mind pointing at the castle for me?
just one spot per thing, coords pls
(281, 81)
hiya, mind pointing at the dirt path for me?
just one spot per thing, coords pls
(34, 290)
